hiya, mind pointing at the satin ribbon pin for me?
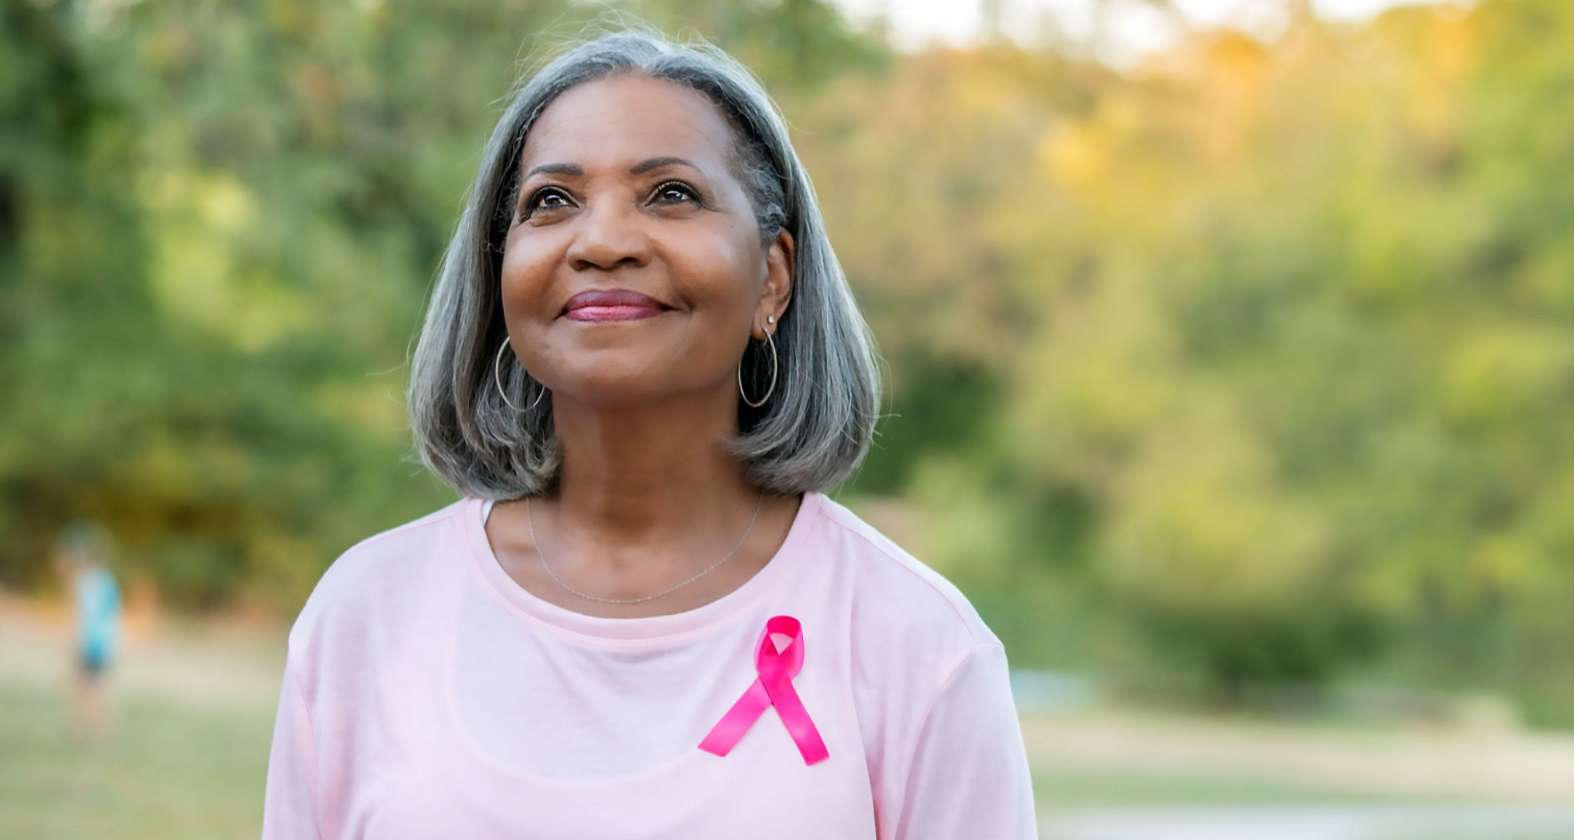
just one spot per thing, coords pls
(772, 687)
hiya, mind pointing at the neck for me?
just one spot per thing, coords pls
(653, 475)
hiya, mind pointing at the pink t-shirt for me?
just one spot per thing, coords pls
(426, 694)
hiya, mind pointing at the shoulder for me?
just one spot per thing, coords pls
(900, 603)
(377, 577)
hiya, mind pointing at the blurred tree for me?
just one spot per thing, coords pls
(218, 226)
(1259, 353)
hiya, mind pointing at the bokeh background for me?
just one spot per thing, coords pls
(1230, 356)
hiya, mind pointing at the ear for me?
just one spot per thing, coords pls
(780, 257)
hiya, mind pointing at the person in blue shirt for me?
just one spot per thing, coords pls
(80, 557)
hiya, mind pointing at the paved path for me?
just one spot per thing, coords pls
(1310, 822)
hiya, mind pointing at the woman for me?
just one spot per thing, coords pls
(641, 367)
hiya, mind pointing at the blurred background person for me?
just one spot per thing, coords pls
(81, 556)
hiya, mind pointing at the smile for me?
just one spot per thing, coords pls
(613, 313)
(601, 305)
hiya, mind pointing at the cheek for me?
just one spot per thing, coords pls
(526, 273)
(717, 271)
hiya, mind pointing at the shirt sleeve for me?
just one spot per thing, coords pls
(968, 776)
(290, 803)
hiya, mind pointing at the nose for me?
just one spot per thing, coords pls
(609, 236)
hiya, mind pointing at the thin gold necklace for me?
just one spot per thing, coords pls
(530, 517)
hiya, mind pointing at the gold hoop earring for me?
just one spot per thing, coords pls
(498, 381)
(770, 342)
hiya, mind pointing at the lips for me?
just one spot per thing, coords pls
(612, 305)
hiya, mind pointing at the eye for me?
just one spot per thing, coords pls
(546, 198)
(669, 192)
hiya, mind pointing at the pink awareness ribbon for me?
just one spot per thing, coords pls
(772, 687)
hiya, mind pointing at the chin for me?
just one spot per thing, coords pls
(612, 390)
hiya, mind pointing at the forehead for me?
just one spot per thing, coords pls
(626, 119)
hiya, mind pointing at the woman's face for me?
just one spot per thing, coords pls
(626, 187)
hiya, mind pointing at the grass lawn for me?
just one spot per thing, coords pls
(166, 771)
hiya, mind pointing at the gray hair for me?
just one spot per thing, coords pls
(820, 420)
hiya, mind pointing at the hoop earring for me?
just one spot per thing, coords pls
(498, 381)
(770, 342)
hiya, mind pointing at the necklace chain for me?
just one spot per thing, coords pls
(530, 517)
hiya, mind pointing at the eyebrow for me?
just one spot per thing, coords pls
(574, 170)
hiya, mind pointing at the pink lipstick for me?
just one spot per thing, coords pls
(612, 305)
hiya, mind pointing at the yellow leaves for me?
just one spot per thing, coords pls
(1091, 153)
(1453, 47)
(1232, 58)
(1235, 77)
(1444, 63)
(1075, 155)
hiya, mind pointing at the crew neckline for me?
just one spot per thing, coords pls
(641, 630)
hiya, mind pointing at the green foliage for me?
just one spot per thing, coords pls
(1285, 327)
(217, 227)
(1258, 353)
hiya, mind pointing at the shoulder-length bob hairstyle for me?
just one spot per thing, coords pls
(820, 419)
